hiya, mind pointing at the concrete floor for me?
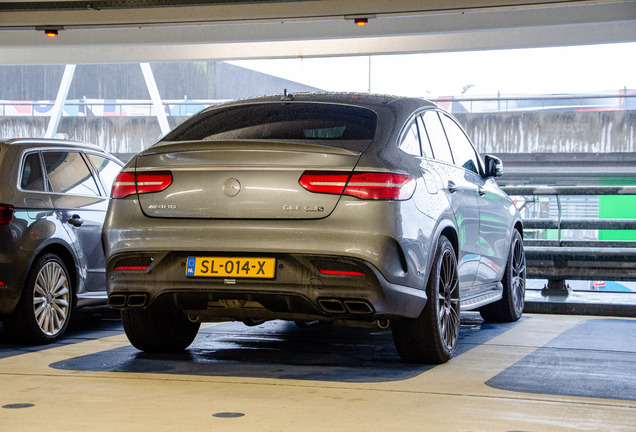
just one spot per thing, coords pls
(544, 373)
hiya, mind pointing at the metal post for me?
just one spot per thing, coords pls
(58, 107)
(560, 217)
(556, 287)
(156, 99)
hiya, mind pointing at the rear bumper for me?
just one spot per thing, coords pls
(299, 291)
(393, 256)
(393, 237)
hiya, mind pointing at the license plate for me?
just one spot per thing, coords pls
(231, 267)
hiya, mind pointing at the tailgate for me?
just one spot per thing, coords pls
(241, 179)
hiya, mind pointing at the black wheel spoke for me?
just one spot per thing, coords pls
(432, 337)
(448, 297)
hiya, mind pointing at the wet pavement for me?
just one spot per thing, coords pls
(597, 303)
(543, 373)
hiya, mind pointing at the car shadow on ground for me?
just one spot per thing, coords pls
(283, 350)
(86, 324)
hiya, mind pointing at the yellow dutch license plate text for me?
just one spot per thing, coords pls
(232, 267)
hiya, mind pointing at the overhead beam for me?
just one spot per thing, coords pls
(259, 29)
(118, 13)
(508, 38)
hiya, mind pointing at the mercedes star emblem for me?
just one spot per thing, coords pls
(231, 187)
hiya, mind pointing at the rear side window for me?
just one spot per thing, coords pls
(31, 178)
(280, 121)
(437, 137)
(68, 173)
(463, 151)
(107, 169)
(426, 143)
(410, 142)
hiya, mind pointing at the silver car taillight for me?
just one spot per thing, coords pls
(364, 185)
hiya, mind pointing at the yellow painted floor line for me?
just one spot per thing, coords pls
(450, 397)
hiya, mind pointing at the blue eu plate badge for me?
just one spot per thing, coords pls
(191, 265)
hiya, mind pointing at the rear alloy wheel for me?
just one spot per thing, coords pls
(510, 307)
(44, 309)
(160, 329)
(432, 337)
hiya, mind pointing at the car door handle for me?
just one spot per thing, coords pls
(481, 191)
(452, 187)
(76, 221)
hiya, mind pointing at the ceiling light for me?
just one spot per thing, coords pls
(50, 30)
(361, 22)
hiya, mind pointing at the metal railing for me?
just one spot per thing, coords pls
(621, 100)
(594, 102)
(99, 108)
(559, 260)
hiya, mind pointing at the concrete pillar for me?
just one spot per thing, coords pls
(156, 99)
(58, 107)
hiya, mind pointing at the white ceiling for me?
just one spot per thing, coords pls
(148, 31)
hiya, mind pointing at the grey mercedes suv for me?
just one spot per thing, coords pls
(53, 200)
(349, 209)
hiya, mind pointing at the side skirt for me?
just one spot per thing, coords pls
(493, 293)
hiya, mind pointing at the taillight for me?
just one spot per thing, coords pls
(128, 183)
(341, 273)
(365, 185)
(153, 181)
(6, 214)
(381, 186)
(324, 182)
(123, 185)
(131, 268)
(135, 263)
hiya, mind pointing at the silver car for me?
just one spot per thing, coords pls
(53, 201)
(350, 209)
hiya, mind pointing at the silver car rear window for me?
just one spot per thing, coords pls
(279, 121)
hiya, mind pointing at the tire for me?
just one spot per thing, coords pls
(432, 337)
(510, 307)
(44, 309)
(158, 329)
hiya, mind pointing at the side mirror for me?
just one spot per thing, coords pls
(494, 166)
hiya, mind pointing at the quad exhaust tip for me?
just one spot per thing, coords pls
(341, 306)
(128, 300)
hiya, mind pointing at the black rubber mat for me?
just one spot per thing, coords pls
(595, 359)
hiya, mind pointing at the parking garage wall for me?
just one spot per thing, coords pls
(552, 131)
(534, 132)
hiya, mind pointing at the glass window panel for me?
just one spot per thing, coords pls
(336, 125)
(463, 151)
(31, 178)
(437, 137)
(107, 168)
(68, 173)
(411, 141)
(427, 150)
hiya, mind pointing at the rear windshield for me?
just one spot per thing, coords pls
(279, 121)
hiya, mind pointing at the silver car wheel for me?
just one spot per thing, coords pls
(510, 307)
(433, 336)
(448, 301)
(51, 295)
(518, 276)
